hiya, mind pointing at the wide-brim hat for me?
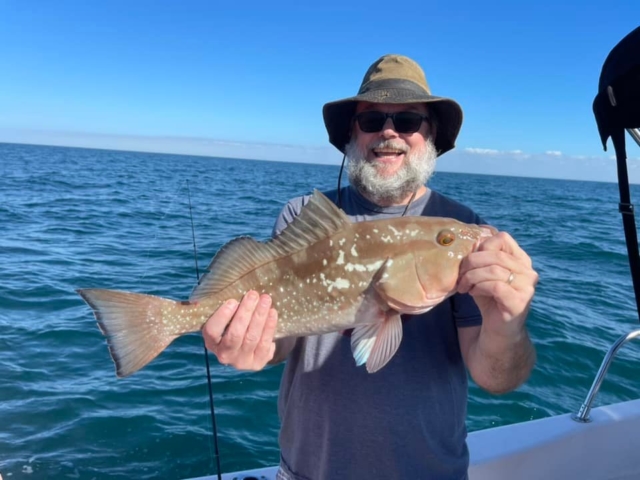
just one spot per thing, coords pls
(394, 79)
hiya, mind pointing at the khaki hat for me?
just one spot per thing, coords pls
(393, 79)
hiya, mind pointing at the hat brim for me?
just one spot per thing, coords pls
(339, 114)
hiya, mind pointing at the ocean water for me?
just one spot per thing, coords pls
(94, 218)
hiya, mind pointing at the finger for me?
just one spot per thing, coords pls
(524, 281)
(510, 301)
(478, 260)
(233, 337)
(266, 347)
(256, 325)
(491, 272)
(502, 241)
(214, 327)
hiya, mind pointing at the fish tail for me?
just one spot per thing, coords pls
(132, 324)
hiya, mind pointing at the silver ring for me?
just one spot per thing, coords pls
(510, 279)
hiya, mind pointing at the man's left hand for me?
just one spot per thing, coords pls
(500, 277)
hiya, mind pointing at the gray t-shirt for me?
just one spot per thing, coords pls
(406, 421)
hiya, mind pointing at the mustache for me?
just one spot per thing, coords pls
(388, 144)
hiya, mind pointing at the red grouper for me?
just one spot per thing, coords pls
(324, 274)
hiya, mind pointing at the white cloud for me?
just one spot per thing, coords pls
(551, 164)
(178, 145)
(482, 151)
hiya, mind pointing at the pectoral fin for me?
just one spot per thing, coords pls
(398, 285)
(376, 343)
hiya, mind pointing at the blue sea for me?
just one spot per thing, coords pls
(76, 218)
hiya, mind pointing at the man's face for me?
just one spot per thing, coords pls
(386, 165)
(390, 159)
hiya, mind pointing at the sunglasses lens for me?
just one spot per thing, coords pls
(370, 122)
(407, 122)
(403, 122)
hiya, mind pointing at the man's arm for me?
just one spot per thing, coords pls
(500, 278)
(496, 364)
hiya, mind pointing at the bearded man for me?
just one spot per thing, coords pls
(408, 419)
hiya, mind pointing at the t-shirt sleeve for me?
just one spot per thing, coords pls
(290, 211)
(465, 311)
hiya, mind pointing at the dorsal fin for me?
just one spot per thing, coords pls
(318, 219)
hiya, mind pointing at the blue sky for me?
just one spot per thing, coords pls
(248, 79)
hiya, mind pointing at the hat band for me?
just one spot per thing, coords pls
(393, 84)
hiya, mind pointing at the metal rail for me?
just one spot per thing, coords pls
(582, 415)
(635, 134)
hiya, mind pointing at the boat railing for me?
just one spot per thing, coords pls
(582, 415)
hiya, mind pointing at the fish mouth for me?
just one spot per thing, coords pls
(486, 231)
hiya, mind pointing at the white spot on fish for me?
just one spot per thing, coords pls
(341, 242)
(350, 267)
(386, 239)
(396, 232)
(375, 230)
(353, 251)
(341, 283)
(340, 260)
(371, 267)
(324, 262)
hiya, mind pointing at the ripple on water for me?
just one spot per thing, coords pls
(121, 220)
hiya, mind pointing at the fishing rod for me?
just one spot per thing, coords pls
(212, 408)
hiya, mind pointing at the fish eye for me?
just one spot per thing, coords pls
(445, 238)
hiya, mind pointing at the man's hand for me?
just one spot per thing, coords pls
(501, 279)
(241, 335)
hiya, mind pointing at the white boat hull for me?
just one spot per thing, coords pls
(606, 448)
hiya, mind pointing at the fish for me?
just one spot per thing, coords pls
(324, 274)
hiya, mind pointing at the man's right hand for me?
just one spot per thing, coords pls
(247, 343)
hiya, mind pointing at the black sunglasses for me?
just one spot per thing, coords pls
(403, 122)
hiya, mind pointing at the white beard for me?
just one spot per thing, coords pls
(366, 177)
